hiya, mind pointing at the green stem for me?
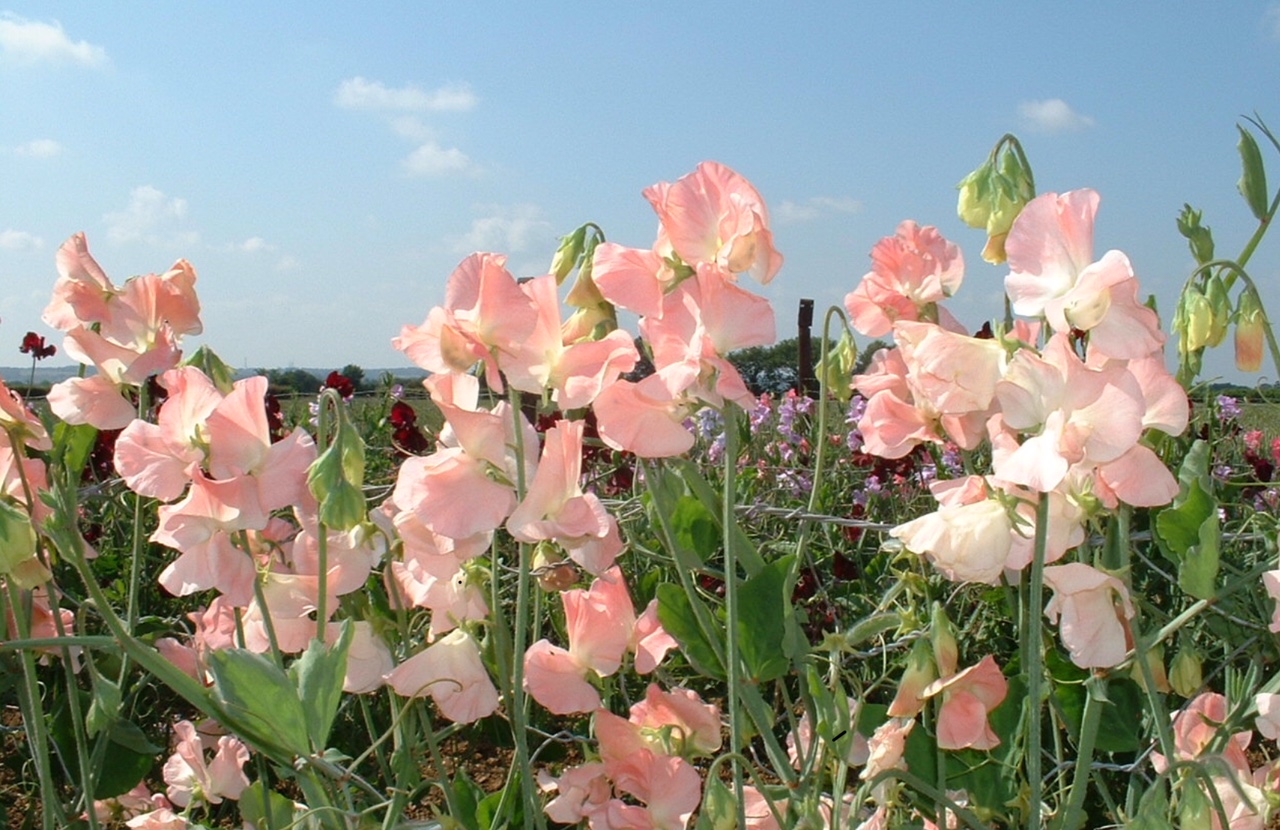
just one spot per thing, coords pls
(1034, 657)
(33, 724)
(732, 647)
(1095, 695)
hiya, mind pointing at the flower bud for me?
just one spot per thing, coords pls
(920, 672)
(1194, 320)
(946, 654)
(836, 371)
(1185, 675)
(554, 572)
(1220, 303)
(1251, 326)
(992, 196)
(1155, 660)
(568, 254)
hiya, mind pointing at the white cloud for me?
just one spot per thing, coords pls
(288, 263)
(31, 42)
(12, 240)
(1052, 115)
(151, 217)
(431, 159)
(253, 245)
(506, 230)
(41, 148)
(358, 93)
(789, 212)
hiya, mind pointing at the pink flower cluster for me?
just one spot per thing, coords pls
(1064, 400)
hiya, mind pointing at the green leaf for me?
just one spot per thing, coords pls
(1198, 572)
(1153, 809)
(677, 615)
(1253, 178)
(259, 702)
(719, 809)
(105, 708)
(337, 476)
(695, 527)
(264, 809)
(764, 605)
(467, 795)
(1120, 722)
(1178, 527)
(748, 556)
(318, 675)
(206, 360)
(73, 446)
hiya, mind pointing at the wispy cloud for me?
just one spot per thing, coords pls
(32, 42)
(359, 93)
(1052, 115)
(151, 217)
(41, 148)
(431, 159)
(402, 108)
(508, 229)
(12, 240)
(1271, 21)
(789, 212)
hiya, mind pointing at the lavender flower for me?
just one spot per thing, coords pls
(1228, 408)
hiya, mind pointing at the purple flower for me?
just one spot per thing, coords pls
(1228, 408)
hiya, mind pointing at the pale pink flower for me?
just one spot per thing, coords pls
(693, 724)
(1268, 721)
(191, 778)
(19, 422)
(911, 270)
(576, 372)
(886, 746)
(632, 278)
(581, 792)
(1093, 610)
(800, 740)
(600, 623)
(967, 700)
(650, 640)
(162, 818)
(715, 216)
(647, 418)
(156, 459)
(669, 786)
(485, 314)
(967, 543)
(1050, 248)
(1271, 581)
(555, 507)
(369, 659)
(1196, 727)
(452, 673)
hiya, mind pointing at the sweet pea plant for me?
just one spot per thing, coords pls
(610, 578)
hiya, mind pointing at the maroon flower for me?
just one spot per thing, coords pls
(405, 432)
(342, 383)
(34, 345)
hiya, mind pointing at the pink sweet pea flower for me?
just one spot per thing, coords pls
(485, 314)
(156, 459)
(1271, 580)
(1196, 727)
(650, 640)
(911, 270)
(451, 671)
(694, 726)
(967, 699)
(631, 278)
(600, 622)
(190, 778)
(575, 372)
(715, 216)
(647, 418)
(669, 786)
(1050, 248)
(1094, 608)
(581, 792)
(468, 485)
(966, 542)
(1268, 721)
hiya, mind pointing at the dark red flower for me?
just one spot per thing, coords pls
(405, 433)
(34, 345)
(342, 383)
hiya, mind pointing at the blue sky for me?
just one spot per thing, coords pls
(325, 169)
